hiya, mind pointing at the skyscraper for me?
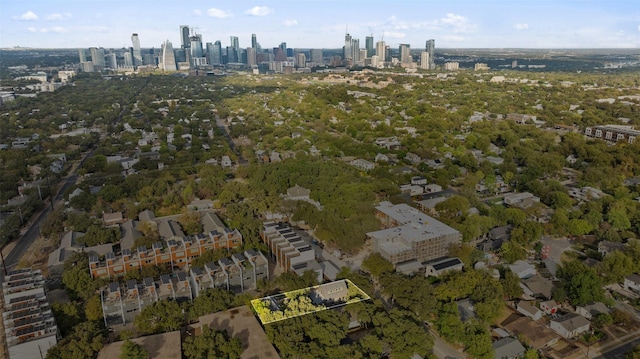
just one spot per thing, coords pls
(216, 56)
(251, 56)
(316, 56)
(168, 57)
(381, 51)
(254, 41)
(405, 54)
(424, 60)
(431, 47)
(347, 55)
(137, 54)
(355, 51)
(97, 58)
(235, 56)
(369, 46)
(184, 36)
(196, 47)
(83, 55)
(301, 59)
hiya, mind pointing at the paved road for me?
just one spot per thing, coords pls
(24, 242)
(618, 353)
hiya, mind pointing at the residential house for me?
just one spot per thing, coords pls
(592, 310)
(112, 219)
(523, 269)
(432, 188)
(200, 204)
(330, 293)
(412, 190)
(528, 309)
(381, 157)
(68, 246)
(362, 164)
(413, 158)
(536, 287)
(606, 247)
(508, 348)
(521, 200)
(632, 282)
(538, 334)
(440, 266)
(570, 325)
(225, 162)
(418, 181)
(586, 194)
(550, 307)
(466, 309)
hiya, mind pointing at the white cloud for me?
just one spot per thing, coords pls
(521, 26)
(31, 29)
(458, 23)
(55, 29)
(59, 16)
(220, 14)
(289, 23)
(453, 38)
(27, 16)
(394, 35)
(258, 11)
(197, 12)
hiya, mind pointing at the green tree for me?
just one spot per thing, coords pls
(85, 341)
(160, 317)
(376, 265)
(93, 308)
(190, 223)
(131, 350)
(211, 301)
(77, 278)
(67, 315)
(510, 283)
(212, 344)
(582, 283)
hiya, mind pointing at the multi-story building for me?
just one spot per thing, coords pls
(121, 303)
(168, 59)
(613, 133)
(410, 235)
(369, 46)
(451, 66)
(424, 60)
(137, 54)
(405, 54)
(174, 249)
(381, 51)
(431, 49)
(29, 325)
(289, 250)
(184, 36)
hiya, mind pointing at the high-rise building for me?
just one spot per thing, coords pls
(369, 46)
(184, 36)
(128, 59)
(97, 58)
(254, 42)
(235, 49)
(301, 60)
(424, 60)
(381, 51)
(355, 51)
(196, 47)
(347, 55)
(405, 54)
(137, 54)
(251, 57)
(112, 62)
(168, 57)
(216, 56)
(316, 56)
(283, 46)
(83, 55)
(431, 48)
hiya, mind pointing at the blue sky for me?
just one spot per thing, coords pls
(322, 24)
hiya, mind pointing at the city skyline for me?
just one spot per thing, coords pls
(322, 24)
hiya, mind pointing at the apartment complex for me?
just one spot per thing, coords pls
(613, 133)
(289, 250)
(175, 249)
(30, 328)
(238, 273)
(410, 235)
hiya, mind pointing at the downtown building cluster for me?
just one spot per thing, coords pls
(196, 54)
